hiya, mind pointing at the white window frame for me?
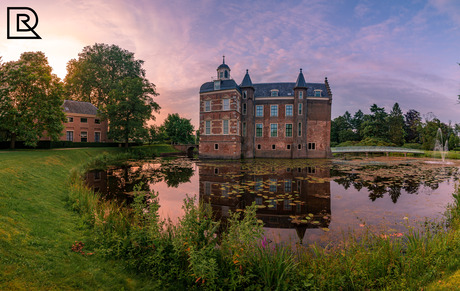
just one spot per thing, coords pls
(96, 132)
(271, 130)
(261, 129)
(300, 94)
(286, 131)
(262, 110)
(299, 129)
(300, 109)
(225, 126)
(286, 110)
(271, 110)
(207, 129)
(207, 105)
(226, 107)
(67, 136)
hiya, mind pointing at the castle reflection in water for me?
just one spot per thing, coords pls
(287, 198)
(298, 198)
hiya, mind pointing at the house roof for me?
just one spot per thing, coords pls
(246, 80)
(71, 106)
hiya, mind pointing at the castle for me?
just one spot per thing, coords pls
(265, 120)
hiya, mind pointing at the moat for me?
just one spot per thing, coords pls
(307, 201)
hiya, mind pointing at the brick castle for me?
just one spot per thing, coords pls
(266, 120)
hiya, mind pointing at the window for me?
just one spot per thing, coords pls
(259, 128)
(221, 75)
(317, 93)
(69, 119)
(216, 146)
(259, 110)
(287, 185)
(288, 130)
(207, 105)
(299, 129)
(69, 136)
(311, 170)
(226, 73)
(273, 147)
(273, 185)
(274, 93)
(217, 83)
(311, 146)
(287, 204)
(245, 94)
(207, 127)
(288, 110)
(273, 110)
(259, 147)
(300, 95)
(216, 170)
(244, 128)
(207, 188)
(299, 146)
(259, 184)
(288, 147)
(97, 121)
(84, 136)
(244, 109)
(300, 108)
(226, 104)
(225, 126)
(97, 175)
(274, 130)
(97, 136)
(259, 200)
(84, 120)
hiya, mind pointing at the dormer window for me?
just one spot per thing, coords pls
(318, 93)
(217, 84)
(274, 93)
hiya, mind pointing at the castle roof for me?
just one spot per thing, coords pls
(287, 89)
(300, 81)
(71, 106)
(246, 80)
(224, 85)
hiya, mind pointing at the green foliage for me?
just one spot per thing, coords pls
(113, 80)
(30, 100)
(178, 129)
(130, 107)
(396, 132)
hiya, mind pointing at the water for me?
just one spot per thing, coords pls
(439, 146)
(299, 200)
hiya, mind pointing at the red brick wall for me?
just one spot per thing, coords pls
(90, 127)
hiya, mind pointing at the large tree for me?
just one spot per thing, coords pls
(130, 107)
(396, 132)
(30, 100)
(114, 81)
(179, 130)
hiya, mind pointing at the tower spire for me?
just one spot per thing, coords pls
(223, 59)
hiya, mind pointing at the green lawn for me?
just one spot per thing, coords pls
(37, 229)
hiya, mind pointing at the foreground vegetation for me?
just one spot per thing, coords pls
(200, 253)
(38, 230)
(45, 245)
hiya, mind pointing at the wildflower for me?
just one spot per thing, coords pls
(406, 218)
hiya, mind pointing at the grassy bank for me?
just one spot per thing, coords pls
(38, 229)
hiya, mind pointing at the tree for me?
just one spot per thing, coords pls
(114, 81)
(130, 107)
(396, 131)
(375, 124)
(179, 130)
(413, 122)
(30, 100)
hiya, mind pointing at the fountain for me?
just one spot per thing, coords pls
(440, 148)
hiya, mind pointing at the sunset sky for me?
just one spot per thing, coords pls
(371, 51)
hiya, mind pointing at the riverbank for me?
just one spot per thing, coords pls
(38, 230)
(40, 244)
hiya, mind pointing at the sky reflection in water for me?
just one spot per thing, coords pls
(312, 201)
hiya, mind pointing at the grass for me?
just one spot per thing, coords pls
(38, 230)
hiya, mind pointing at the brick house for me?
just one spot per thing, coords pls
(83, 123)
(267, 120)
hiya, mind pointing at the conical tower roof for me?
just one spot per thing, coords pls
(300, 83)
(246, 80)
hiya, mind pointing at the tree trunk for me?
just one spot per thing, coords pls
(13, 141)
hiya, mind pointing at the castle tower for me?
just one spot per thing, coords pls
(220, 117)
(300, 124)
(247, 105)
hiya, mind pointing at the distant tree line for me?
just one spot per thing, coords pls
(380, 128)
